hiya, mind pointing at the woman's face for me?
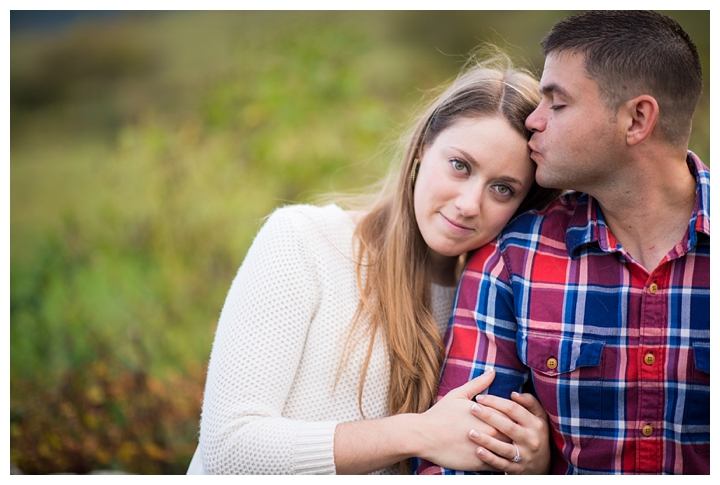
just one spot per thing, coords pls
(470, 182)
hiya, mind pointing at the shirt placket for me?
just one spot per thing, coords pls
(651, 365)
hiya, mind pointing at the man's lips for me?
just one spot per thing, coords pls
(533, 153)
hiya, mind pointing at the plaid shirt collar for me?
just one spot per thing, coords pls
(587, 226)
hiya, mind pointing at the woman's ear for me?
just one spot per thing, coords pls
(641, 114)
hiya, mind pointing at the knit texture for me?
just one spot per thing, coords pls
(271, 400)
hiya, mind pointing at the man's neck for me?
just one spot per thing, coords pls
(649, 211)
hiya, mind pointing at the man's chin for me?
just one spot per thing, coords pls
(548, 182)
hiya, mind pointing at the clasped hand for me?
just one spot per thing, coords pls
(483, 436)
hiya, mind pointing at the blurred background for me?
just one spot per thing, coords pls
(145, 149)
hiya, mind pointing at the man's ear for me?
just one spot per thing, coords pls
(642, 114)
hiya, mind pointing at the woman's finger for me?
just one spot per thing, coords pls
(474, 386)
(525, 432)
(503, 449)
(501, 455)
(529, 402)
(492, 461)
(517, 412)
(507, 429)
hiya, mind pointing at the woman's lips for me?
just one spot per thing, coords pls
(456, 226)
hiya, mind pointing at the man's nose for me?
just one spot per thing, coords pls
(535, 122)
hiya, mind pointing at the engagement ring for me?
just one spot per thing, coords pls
(517, 458)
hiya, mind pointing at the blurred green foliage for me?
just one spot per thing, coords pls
(145, 152)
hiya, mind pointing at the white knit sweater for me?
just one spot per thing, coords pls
(271, 401)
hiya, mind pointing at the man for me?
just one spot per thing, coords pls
(600, 303)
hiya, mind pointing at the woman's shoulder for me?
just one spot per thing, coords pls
(311, 222)
(307, 214)
(313, 233)
(308, 210)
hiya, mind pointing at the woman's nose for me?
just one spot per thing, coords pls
(468, 202)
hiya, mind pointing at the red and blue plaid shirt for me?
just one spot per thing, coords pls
(619, 358)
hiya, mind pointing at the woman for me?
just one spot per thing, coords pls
(328, 350)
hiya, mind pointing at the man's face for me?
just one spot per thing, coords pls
(575, 139)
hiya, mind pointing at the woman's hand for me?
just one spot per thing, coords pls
(525, 422)
(445, 429)
(442, 435)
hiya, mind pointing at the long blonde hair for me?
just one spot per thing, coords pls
(392, 256)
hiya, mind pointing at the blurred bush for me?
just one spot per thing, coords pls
(89, 59)
(145, 151)
(98, 417)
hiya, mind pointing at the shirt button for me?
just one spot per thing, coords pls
(552, 363)
(653, 288)
(649, 358)
(647, 430)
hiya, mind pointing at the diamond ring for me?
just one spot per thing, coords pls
(516, 458)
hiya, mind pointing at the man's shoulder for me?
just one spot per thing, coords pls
(549, 221)
(546, 226)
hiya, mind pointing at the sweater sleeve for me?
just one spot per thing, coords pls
(255, 356)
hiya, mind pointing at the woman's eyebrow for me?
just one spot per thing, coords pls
(466, 155)
(510, 180)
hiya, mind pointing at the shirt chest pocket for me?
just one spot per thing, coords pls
(568, 378)
(696, 422)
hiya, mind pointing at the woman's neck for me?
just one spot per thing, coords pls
(443, 269)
